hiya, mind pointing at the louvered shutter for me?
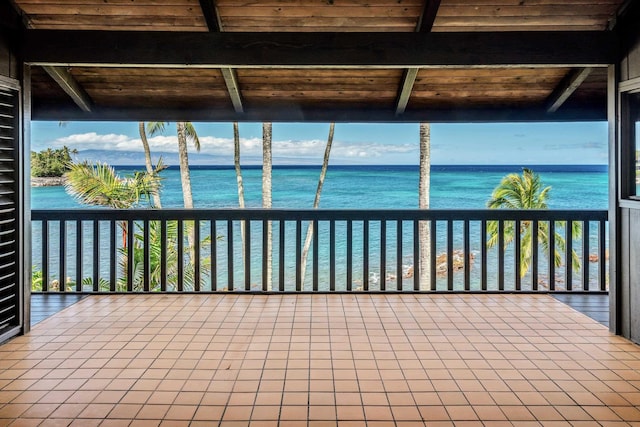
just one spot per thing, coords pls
(9, 137)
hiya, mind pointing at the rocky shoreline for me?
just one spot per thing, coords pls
(49, 181)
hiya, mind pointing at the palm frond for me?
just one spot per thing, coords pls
(155, 128)
(192, 135)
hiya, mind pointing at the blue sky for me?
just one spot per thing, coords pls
(298, 143)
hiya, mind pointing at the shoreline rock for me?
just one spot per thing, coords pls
(48, 181)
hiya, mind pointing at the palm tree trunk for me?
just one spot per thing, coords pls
(236, 162)
(147, 160)
(423, 203)
(266, 195)
(187, 195)
(316, 203)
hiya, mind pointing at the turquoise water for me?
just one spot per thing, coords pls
(348, 187)
(362, 187)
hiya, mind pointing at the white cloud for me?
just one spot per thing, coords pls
(249, 146)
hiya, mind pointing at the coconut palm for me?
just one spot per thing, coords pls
(147, 161)
(527, 191)
(99, 185)
(423, 203)
(186, 133)
(236, 162)
(266, 195)
(316, 204)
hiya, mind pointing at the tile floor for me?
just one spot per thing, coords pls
(319, 360)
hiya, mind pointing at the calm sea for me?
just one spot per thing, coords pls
(355, 187)
(362, 187)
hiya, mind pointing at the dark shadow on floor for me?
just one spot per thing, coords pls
(46, 305)
(596, 306)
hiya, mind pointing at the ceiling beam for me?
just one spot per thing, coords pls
(408, 79)
(210, 13)
(428, 16)
(425, 23)
(319, 50)
(297, 113)
(231, 80)
(569, 84)
(71, 87)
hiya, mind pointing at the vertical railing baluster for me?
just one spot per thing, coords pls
(467, 256)
(62, 273)
(96, 255)
(501, 255)
(483, 255)
(196, 255)
(78, 255)
(316, 256)
(552, 255)
(213, 249)
(45, 255)
(163, 224)
(247, 255)
(399, 255)
(449, 255)
(230, 279)
(298, 255)
(535, 249)
(365, 255)
(602, 255)
(281, 254)
(349, 255)
(130, 254)
(568, 259)
(585, 255)
(517, 254)
(332, 255)
(416, 255)
(434, 272)
(180, 257)
(383, 255)
(147, 257)
(265, 263)
(113, 250)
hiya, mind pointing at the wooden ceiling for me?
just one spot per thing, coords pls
(375, 81)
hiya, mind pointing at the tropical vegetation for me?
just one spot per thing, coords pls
(51, 162)
(526, 191)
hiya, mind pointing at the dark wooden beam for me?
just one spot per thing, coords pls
(428, 16)
(326, 50)
(231, 80)
(295, 113)
(71, 87)
(210, 12)
(566, 87)
(408, 79)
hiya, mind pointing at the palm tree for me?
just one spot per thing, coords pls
(99, 185)
(186, 133)
(147, 161)
(526, 191)
(266, 196)
(236, 162)
(316, 203)
(423, 203)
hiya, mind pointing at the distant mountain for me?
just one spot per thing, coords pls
(134, 158)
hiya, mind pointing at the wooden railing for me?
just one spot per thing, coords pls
(351, 250)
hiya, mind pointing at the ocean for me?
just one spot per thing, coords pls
(346, 187)
(362, 187)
